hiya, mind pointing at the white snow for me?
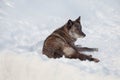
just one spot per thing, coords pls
(24, 25)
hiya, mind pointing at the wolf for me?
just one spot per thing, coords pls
(62, 42)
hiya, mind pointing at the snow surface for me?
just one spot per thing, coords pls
(24, 25)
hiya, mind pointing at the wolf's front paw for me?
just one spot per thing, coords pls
(96, 60)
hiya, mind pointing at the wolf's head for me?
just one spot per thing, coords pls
(75, 28)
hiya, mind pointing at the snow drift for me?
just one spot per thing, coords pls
(31, 67)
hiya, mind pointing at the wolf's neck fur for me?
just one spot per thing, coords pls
(63, 32)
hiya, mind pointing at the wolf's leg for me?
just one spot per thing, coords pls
(83, 57)
(49, 52)
(70, 52)
(52, 54)
(86, 49)
(79, 56)
(58, 54)
(94, 59)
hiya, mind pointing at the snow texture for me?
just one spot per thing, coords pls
(24, 25)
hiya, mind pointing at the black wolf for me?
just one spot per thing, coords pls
(61, 42)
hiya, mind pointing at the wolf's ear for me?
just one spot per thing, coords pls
(78, 19)
(69, 23)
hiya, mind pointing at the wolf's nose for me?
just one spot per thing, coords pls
(84, 35)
